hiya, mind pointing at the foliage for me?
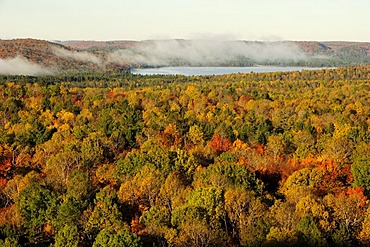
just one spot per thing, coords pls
(242, 160)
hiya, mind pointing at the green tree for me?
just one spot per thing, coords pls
(106, 214)
(68, 213)
(122, 238)
(67, 236)
(199, 219)
(37, 205)
(311, 234)
(361, 168)
(157, 222)
(78, 187)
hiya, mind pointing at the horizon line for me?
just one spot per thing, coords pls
(184, 39)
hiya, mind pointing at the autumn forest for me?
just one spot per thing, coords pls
(115, 159)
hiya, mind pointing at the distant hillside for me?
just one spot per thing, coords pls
(55, 56)
(42, 53)
(98, 45)
(65, 56)
(351, 53)
(231, 53)
(309, 47)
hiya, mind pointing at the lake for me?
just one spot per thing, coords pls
(189, 71)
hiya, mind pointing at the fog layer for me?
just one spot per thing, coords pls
(20, 66)
(78, 56)
(200, 52)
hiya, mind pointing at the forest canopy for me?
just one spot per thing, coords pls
(111, 159)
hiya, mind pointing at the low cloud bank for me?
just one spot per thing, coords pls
(198, 52)
(78, 56)
(21, 66)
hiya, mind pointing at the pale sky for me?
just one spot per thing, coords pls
(320, 20)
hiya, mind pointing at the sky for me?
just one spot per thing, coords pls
(268, 20)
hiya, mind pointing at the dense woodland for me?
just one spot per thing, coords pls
(270, 159)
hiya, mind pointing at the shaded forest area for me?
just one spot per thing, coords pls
(270, 159)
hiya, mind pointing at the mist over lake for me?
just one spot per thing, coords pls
(190, 71)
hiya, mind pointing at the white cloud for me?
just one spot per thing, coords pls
(21, 66)
(196, 52)
(78, 56)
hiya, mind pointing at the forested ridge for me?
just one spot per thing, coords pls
(61, 57)
(259, 159)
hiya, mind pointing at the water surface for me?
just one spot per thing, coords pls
(189, 71)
